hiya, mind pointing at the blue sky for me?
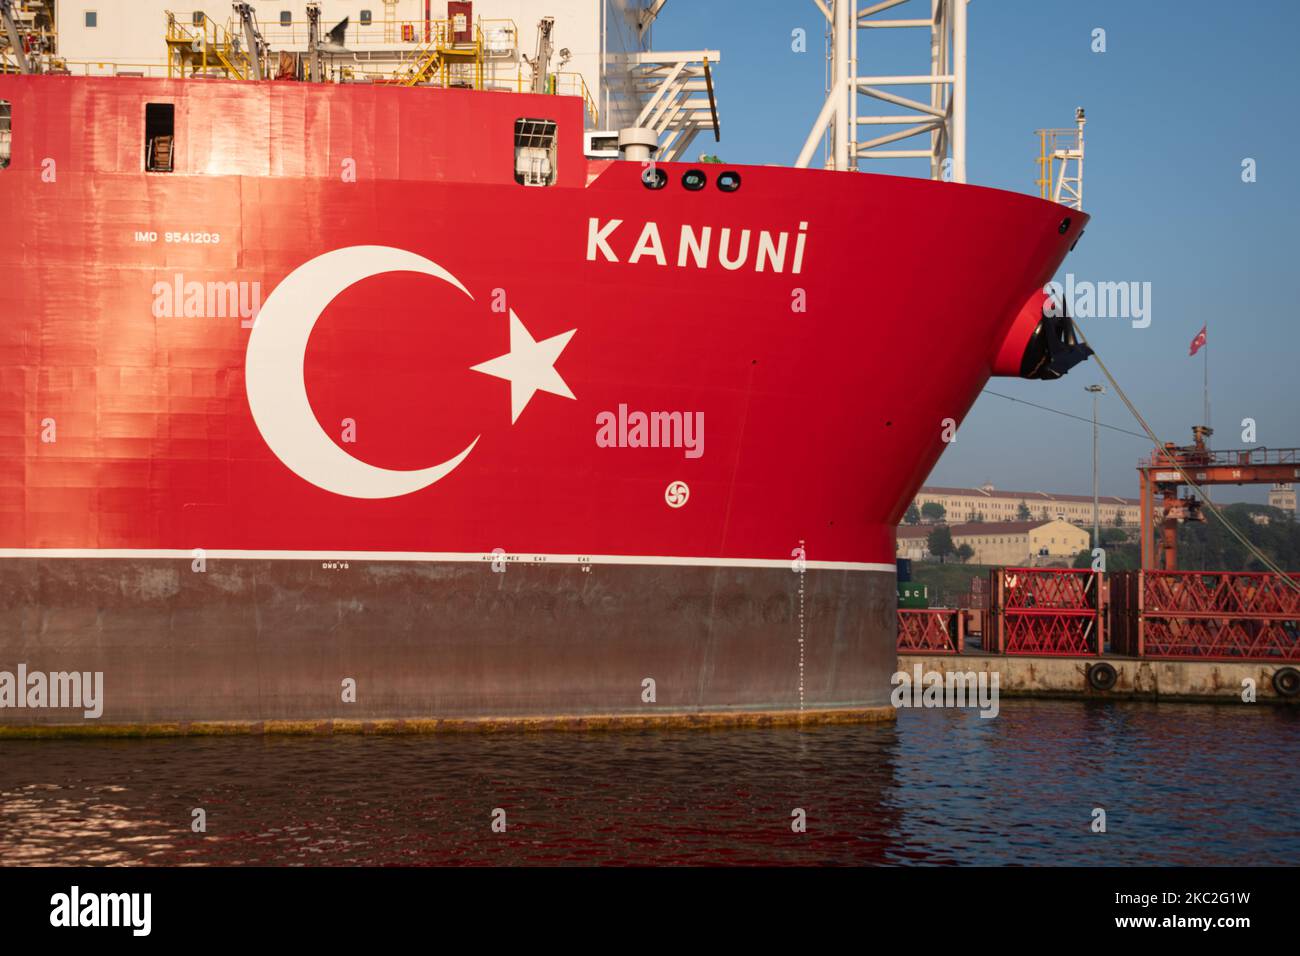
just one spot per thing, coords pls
(1184, 92)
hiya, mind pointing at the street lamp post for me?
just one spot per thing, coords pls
(1096, 390)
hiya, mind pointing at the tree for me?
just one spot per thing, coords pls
(940, 542)
(933, 512)
(965, 552)
(1207, 545)
(975, 517)
(913, 515)
(1122, 557)
(1111, 536)
(1022, 513)
(1119, 519)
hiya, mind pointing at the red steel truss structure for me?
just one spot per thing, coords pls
(930, 631)
(1205, 615)
(1051, 612)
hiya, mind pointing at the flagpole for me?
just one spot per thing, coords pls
(1206, 349)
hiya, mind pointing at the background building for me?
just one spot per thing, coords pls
(987, 503)
(1009, 543)
(1283, 496)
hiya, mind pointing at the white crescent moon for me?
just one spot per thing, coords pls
(277, 391)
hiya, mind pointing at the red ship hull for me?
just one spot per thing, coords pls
(232, 515)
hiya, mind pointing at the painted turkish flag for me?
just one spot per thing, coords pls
(1198, 342)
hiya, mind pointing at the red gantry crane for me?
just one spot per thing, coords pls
(1159, 478)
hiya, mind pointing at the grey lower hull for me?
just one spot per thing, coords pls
(279, 640)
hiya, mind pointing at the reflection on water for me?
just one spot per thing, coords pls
(1180, 784)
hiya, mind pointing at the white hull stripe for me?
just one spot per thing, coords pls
(441, 556)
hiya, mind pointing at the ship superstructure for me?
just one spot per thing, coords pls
(597, 50)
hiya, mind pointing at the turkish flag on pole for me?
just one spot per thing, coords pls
(1198, 342)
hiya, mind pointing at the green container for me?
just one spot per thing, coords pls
(913, 595)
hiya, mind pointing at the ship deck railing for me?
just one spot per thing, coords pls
(109, 68)
(390, 34)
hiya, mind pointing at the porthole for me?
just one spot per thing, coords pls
(729, 181)
(654, 178)
(694, 180)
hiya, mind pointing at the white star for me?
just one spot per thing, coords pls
(529, 366)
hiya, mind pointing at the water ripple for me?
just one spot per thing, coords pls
(1179, 784)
